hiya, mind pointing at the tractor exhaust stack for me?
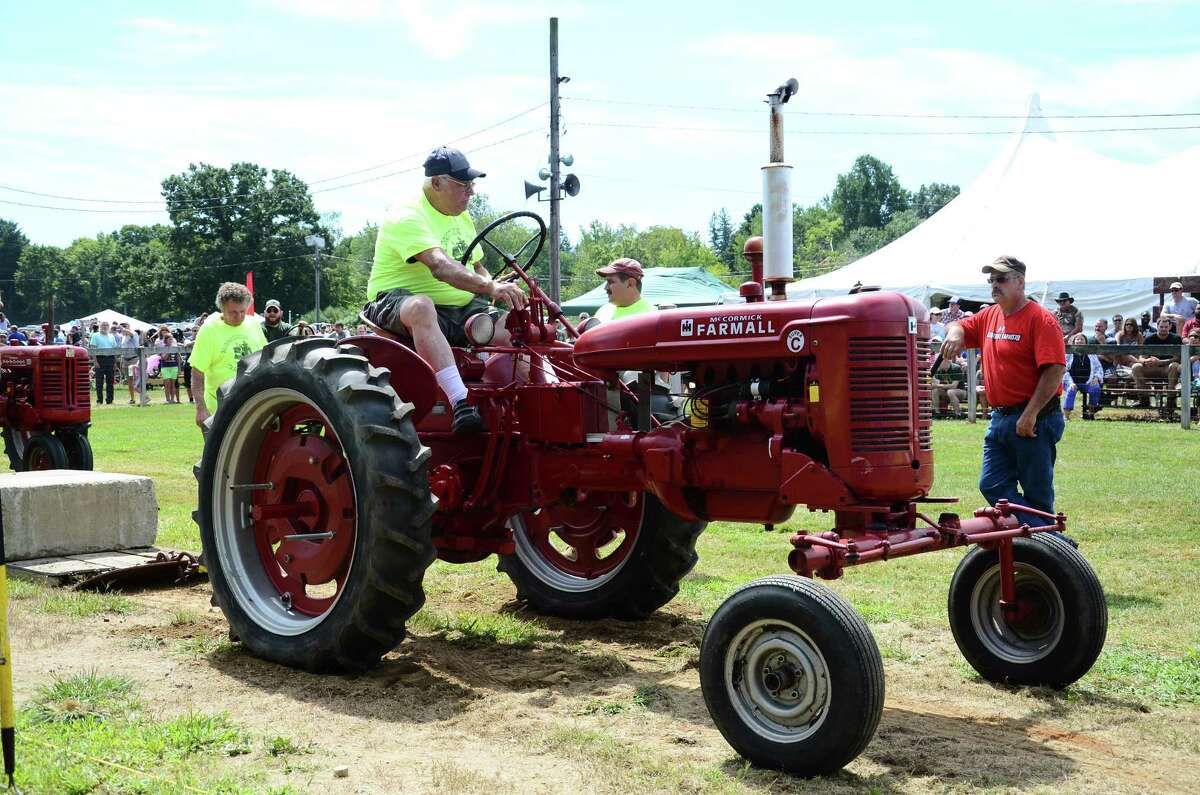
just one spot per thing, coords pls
(777, 200)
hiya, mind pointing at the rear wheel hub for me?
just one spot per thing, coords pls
(312, 493)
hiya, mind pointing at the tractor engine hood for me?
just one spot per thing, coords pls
(669, 339)
(677, 338)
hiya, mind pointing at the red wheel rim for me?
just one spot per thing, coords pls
(39, 460)
(312, 492)
(594, 537)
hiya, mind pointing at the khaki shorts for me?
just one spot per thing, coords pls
(384, 312)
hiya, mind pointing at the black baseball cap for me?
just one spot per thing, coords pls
(445, 161)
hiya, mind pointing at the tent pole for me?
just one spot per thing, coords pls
(972, 383)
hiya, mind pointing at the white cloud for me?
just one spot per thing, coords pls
(442, 31)
(135, 138)
(165, 40)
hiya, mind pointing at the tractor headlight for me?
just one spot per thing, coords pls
(480, 328)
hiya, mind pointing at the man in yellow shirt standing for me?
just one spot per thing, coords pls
(221, 342)
(418, 287)
(623, 283)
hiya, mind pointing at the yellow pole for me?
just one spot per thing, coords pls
(7, 714)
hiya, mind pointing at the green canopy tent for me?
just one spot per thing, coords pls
(678, 286)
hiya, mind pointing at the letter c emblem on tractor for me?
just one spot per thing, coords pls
(795, 340)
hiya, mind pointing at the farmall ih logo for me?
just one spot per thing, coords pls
(728, 326)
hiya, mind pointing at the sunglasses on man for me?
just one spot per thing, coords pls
(1001, 279)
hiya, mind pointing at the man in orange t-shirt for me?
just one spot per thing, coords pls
(1023, 364)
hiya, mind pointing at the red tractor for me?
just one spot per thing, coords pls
(45, 406)
(331, 480)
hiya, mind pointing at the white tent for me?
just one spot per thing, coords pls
(1095, 227)
(112, 316)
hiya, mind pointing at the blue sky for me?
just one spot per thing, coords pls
(102, 100)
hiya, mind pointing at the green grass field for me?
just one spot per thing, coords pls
(1127, 489)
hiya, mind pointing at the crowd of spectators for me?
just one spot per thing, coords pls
(114, 348)
(1105, 377)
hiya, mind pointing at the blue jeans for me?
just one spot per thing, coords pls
(1009, 460)
(1093, 393)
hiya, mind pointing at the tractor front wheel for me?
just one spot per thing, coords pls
(1053, 634)
(315, 507)
(43, 451)
(79, 449)
(611, 555)
(791, 676)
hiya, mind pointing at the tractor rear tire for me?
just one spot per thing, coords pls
(79, 449)
(319, 419)
(42, 452)
(663, 551)
(792, 676)
(1063, 618)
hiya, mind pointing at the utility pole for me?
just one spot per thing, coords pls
(316, 243)
(555, 197)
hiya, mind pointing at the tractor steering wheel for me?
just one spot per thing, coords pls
(482, 237)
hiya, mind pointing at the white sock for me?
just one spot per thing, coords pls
(452, 384)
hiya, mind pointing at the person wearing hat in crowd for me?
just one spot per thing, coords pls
(953, 312)
(273, 326)
(1181, 308)
(623, 283)
(936, 327)
(419, 288)
(1070, 319)
(1024, 359)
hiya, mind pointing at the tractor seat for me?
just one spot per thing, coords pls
(403, 339)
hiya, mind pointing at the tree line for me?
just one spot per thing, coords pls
(225, 222)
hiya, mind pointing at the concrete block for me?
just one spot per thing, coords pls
(70, 512)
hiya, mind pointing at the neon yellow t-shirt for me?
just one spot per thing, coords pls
(219, 347)
(411, 229)
(614, 312)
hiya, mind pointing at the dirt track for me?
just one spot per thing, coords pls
(608, 707)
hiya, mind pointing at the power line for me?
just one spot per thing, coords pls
(414, 168)
(234, 203)
(225, 199)
(711, 189)
(630, 125)
(879, 115)
(30, 279)
(425, 151)
(346, 259)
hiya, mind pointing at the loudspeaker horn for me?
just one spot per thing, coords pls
(532, 189)
(567, 160)
(571, 185)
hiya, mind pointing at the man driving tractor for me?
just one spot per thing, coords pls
(419, 288)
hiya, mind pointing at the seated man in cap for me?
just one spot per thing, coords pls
(1181, 308)
(419, 288)
(623, 283)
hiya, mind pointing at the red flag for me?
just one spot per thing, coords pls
(250, 287)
